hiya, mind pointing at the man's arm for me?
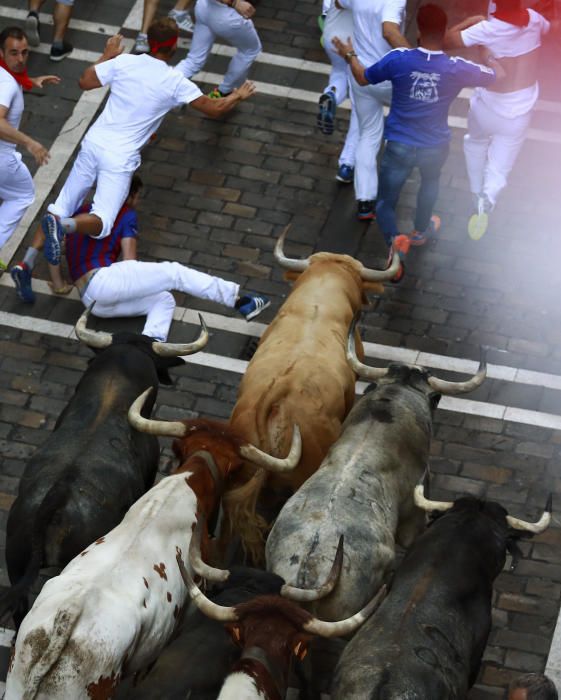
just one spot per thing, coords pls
(113, 48)
(453, 37)
(13, 135)
(245, 9)
(128, 248)
(392, 34)
(218, 108)
(345, 50)
(42, 80)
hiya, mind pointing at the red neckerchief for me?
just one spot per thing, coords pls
(22, 78)
(519, 17)
(155, 46)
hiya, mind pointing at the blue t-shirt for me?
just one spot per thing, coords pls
(424, 85)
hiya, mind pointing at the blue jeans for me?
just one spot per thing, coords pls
(398, 161)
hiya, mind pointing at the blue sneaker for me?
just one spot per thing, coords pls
(53, 237)
(21, 275)
(326, 113)
(251, 305)
(346, 174)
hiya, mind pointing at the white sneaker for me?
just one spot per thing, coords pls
(141, 44)
(183, 20)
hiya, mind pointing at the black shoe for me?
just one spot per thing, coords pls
(60, 52)
(32, 29)
(366, 210)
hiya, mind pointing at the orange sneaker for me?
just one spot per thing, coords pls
(401, 244)
(418, 238)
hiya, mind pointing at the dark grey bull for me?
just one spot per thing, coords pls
(427, 639)
(363, 489)
(79, 484)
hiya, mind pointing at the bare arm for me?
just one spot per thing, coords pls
(113, 48)
(128, 249)
(243, 8)
(12, 135)
(218, 108)
(453, 37)
(392, 34)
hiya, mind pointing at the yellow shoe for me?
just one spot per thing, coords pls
(478, 222)
(215, 94)
(3, 266)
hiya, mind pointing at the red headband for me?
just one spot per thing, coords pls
(155, 46)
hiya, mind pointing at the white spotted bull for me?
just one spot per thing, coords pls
(115, 606)
(363, 489)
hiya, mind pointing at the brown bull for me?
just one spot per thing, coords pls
(299, 374)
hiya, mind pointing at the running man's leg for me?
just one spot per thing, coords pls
(241, 33)
(397, 163)
(430, 162)
(476, 144)
(201, 44)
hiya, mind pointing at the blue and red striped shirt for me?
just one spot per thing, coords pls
(84, 253)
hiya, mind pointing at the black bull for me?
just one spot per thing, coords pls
(427, 638)
(79, 484)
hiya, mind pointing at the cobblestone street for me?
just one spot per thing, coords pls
(217, 196)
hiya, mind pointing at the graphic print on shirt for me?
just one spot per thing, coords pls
(425, 86)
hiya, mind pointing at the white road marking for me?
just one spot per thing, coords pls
(47, 20)
(229, 364)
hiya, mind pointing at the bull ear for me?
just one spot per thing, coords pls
(300, 646)
(235, 631)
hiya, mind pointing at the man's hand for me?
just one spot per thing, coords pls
(38, 151)
(42, 80)
(342, 47)
(495, 64)
(113, 47)
(245, 9)
(246, 90)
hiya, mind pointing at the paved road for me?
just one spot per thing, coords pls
(217, 196)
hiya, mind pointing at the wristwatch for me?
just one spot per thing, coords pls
(349, 55)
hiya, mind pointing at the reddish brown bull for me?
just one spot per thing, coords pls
(299, 374)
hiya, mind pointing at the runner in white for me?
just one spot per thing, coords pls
(143, 89)
(17, 191)
(338, 22)
(377, 29)
(229, 20)
(499, 115)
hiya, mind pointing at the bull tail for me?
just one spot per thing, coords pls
(47, 655)
(241, 517)
(15, 599)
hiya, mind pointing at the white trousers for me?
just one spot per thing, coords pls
(133, 288)
(369, 101)
(17, 192)
(340, 23)
(214, 19)
(491, 147)
(95, 164)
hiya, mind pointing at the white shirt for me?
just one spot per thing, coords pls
(11, 96)
(505, 40)
(368, 16)
(143, 90)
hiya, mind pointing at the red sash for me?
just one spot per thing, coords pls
(22, 78)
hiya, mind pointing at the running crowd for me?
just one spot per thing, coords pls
(372, 63)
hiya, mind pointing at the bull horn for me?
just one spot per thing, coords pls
(275, 464)
(94, 339)
(444, 387)
(425, 503)
(197, 564)
(153, 427)
(534, 528)
(176, 349)
(307, 595)
(221, 613)
(363, 371)
(338, 629)
(288, 263)
(369, 275)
